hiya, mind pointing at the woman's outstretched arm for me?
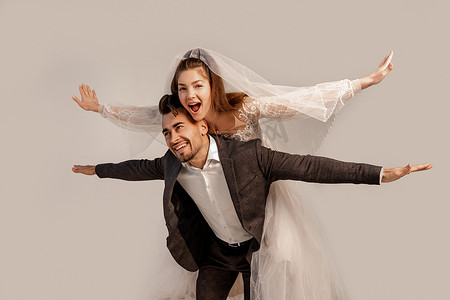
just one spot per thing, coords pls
(320, 101)
(135, 118)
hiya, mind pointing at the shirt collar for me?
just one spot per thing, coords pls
(213, 153)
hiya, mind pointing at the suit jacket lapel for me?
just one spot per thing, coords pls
(171, 178)
(173, 174)
(228, 171)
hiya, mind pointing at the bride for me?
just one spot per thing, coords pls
(292, 262)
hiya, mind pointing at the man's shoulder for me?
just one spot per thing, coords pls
(234, 147)
(169, 157)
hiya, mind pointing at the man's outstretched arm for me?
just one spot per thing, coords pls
(132, 170)
(284, 166)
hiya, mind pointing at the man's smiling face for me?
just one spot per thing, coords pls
(185, 137)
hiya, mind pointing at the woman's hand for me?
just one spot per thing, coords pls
(88, 100)
(378, 75)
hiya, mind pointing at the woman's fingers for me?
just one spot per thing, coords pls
(75, 98)
(85, 91)
(383, 61)
(81, 88)
(387, 60)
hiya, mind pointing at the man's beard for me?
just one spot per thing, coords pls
(186, 157)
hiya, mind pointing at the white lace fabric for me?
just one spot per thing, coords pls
(143, 119)
(264, 116)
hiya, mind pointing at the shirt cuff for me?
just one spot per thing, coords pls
(381, 174)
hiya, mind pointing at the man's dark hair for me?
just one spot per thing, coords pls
(171, 104)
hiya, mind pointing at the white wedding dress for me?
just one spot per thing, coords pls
(292, 262)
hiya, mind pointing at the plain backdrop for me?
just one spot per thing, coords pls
(68, 236)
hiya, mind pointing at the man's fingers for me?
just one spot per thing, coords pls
(87, 170)
(75, 169)
(421, 167)
(394, 174)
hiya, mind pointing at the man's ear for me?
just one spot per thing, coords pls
(203, 127)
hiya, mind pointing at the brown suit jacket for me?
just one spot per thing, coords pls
(249, 169)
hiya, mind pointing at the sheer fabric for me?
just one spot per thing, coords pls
(292, 262)
(143, 124)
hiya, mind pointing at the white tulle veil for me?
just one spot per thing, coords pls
(313, 115)
(308, 112)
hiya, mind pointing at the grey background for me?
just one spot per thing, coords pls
(67, 236)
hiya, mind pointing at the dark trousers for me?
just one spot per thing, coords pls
(219, 270)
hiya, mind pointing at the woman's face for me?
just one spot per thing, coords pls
(194, 92)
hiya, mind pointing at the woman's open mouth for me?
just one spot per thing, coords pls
(195, 107)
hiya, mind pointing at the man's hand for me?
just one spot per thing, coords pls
(393, 174)
(380, 73)
(86, 170)
(88, 100)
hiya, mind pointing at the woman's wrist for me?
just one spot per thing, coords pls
(366, 82)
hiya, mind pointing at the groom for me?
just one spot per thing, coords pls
(215, 193)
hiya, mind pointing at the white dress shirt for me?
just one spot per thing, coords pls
(209, 190)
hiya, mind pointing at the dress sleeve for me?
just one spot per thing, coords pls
(299, 120)
(319, 102)
(142, 125)
(144, 119)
